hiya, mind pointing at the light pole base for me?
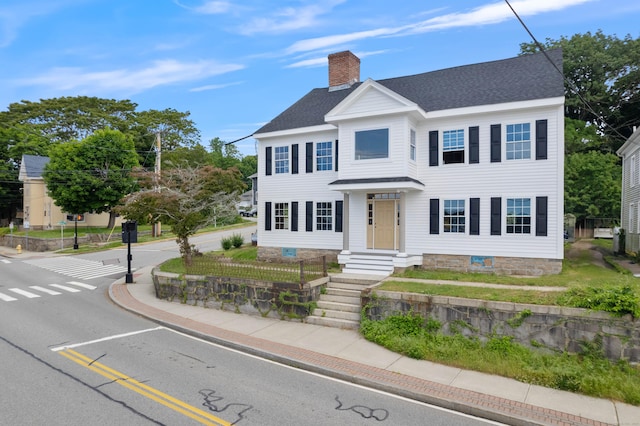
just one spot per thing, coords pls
(128, 279)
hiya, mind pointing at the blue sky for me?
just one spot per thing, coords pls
(234, 65)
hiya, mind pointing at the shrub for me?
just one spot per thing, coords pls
(237, 240)
(227, 243)
(619, 300)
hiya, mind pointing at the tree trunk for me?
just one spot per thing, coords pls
(112, 219)
(185, 250)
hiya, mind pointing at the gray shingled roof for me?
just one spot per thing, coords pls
(34, 165)
(522, 78)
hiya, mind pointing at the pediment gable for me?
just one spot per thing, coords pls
(370, 99)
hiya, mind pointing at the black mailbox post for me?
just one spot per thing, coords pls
(129, 235)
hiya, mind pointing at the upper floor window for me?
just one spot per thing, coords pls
(454, 218)
(518, 215)
(518, 144)
(412, 145)
(371, 144)
(323, 216)
(453, 146)
(282, 159)
(281, 215)
(324, 156)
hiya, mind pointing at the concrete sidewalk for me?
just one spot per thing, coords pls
(346, 355)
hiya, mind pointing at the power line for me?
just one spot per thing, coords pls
(569, 83)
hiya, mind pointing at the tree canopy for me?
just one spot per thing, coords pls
(92, 175)
(187, 199)
(603, 82)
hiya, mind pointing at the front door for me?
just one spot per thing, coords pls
(382, 228)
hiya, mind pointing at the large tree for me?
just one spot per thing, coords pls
(601, 196)
(187, 199)
(92, 175)
(602, 82)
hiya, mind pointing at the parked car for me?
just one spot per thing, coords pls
(249, 213)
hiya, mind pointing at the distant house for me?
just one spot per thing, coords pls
(458, 169)
(39, 210)
(630, 203)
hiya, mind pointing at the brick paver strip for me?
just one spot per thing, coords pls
(461, 400)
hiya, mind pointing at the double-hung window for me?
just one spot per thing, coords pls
(453, 146)
(518, 215)
(412, 145)
(282, 159)
(454, 216)
(324, 156)
(281, 215)
(372, 144)
(518, 145)
(323, 216)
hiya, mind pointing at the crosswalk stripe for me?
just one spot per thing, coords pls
(24, 293)
(66, 288)
(7, 298)
(83, 285)
(45, 290)
(5, 261)
(78, 268)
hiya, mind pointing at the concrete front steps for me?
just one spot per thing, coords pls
(340, 306)
(370, 264)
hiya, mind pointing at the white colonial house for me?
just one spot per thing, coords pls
(630, 202)
(458, 169)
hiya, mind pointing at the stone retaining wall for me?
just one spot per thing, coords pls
(492, 264)
(267, 299)
(555, 328)
(40, 244)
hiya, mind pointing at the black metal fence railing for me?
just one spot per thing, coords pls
(301, 271)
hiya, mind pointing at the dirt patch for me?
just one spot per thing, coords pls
(596, 254)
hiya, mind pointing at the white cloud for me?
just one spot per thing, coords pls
(322, 61)
(289, 19)
(213, 87)
(208, 7)
(14, 16)
(488, 14)
(128, 81)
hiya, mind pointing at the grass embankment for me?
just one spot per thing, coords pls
(590, 282)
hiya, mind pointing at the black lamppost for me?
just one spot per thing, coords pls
(75, 233)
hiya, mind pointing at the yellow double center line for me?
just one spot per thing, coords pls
(144, 390)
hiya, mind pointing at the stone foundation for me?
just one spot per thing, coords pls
(294, 254)
(492, 264)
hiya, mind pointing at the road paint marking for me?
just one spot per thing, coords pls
(5, 261)
(83, 285)
(24, 293)
(65, 288)
(130, 383)
(7, 298)
(45, 290)
(105, 339)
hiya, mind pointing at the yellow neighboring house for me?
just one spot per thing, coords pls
(39, 210)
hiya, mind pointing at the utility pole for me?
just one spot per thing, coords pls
(157, 228)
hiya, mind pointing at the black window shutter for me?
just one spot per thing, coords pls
(309, 157)
(267, 216)
(267, 161)
(541, 216)
(496, 142)
(433, 148)
(434, 216)
(294, 216)
(474, 216)
(294, 159)
(339, 207)
(309, 216)
(496, 215)
(541, 140)
(336, 155)
(474, 145)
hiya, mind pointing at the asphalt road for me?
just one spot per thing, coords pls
(70, 357)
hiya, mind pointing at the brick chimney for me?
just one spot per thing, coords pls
(344, 70)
